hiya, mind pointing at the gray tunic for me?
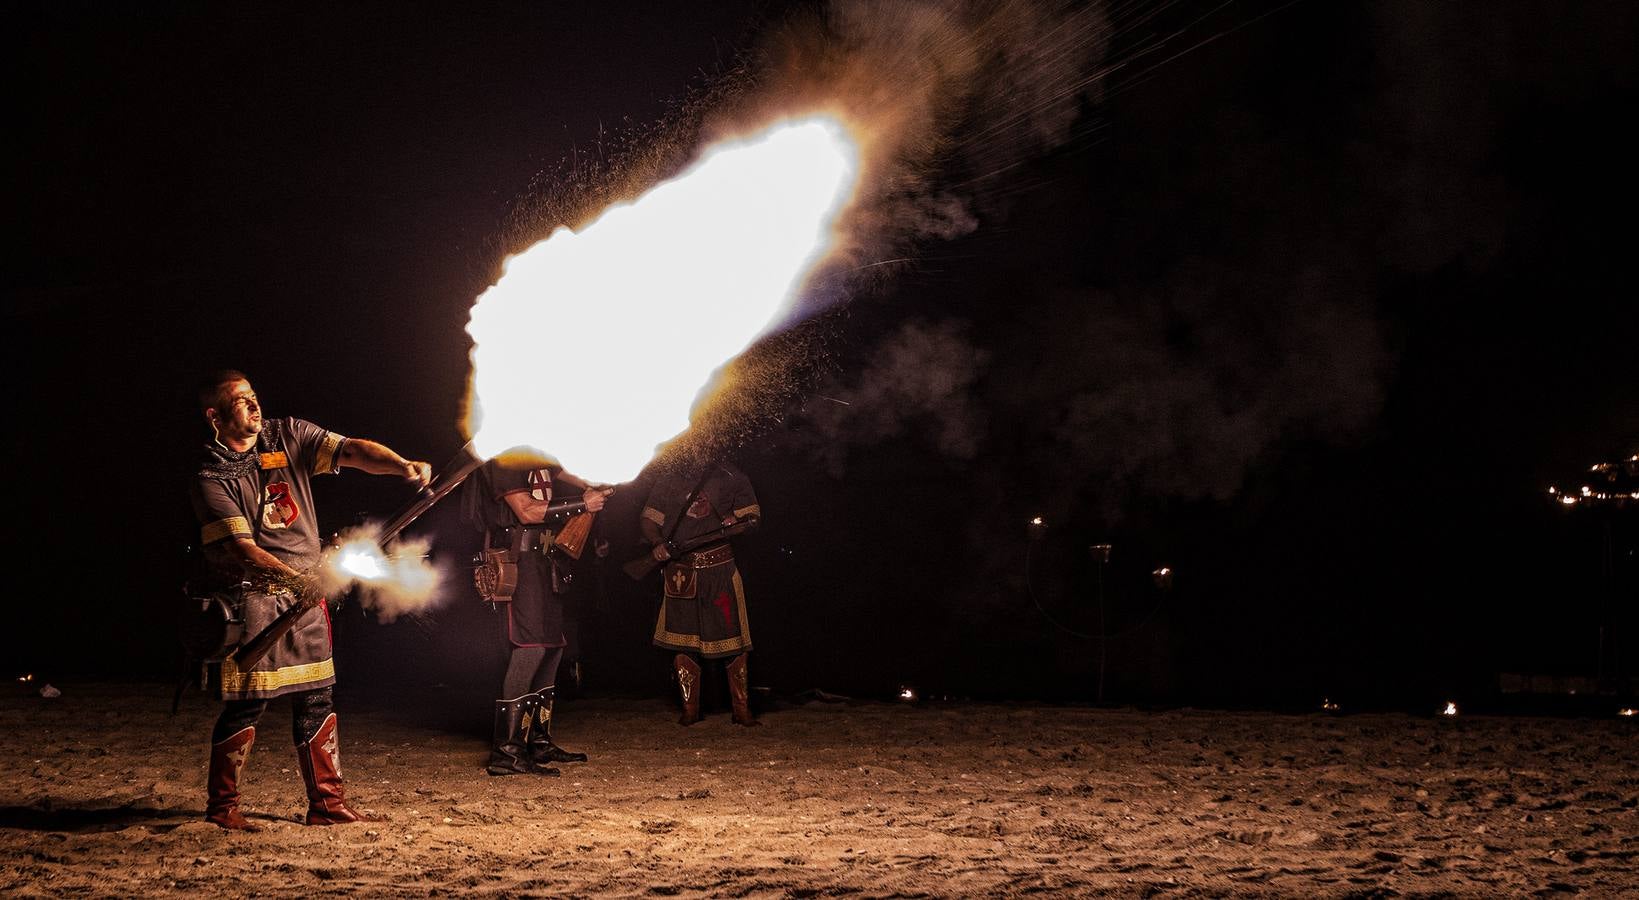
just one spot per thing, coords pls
(266, 495)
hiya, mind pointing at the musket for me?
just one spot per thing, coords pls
(643, 565)
(577, 523)
(464, 463)
(257, 646)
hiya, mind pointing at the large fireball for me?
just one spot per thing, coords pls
(594, 345)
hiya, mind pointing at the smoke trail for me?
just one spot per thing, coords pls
(921, 376)
(403, 583)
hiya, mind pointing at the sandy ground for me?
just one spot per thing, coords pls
(102, 797)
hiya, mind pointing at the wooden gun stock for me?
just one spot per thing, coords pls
(571, 538)
(638, 568)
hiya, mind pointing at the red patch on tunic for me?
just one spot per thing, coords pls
(281, 510)
(724, 603)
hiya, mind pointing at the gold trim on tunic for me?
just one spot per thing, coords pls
(746, 512)
(221, 529)
(741, 641)
(328, 461)
(237, 682)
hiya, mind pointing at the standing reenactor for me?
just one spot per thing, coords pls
(253, 495)
(516, 501)
(689, 517)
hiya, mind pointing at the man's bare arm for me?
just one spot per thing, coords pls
(528, 510)
(379, 459)
(253, 559)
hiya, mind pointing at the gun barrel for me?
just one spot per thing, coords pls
(257, 646)
(464, 463)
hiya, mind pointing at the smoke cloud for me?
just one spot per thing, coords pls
(403, 583)
(923, 376)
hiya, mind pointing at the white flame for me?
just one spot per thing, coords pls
(646, 303)
(404, 582)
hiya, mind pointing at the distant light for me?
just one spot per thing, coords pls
(26, 677)
(909, 694)
(1450, 710)
(1329, 705)
(1037, 528)
(1627, 711)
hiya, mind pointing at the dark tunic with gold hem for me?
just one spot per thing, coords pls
(703, 607)
(265, 494)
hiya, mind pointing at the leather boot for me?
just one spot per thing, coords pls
(320, 760)
(222, 784)
(539, 733)
(509, 746)
(688, 687)
(739, 692)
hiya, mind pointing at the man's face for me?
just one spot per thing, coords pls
(238, 414)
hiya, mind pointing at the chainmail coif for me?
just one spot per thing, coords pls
(220, 462)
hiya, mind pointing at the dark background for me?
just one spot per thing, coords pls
(1310, 303)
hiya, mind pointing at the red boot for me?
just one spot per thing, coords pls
(320, 759)
(222, 784)
(739, 692)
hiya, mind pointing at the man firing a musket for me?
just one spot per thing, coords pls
(253, 497)
(510, 500)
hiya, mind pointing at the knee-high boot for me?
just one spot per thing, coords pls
(320, 760)
(542, 750)
(739, 691)
(222, 784)
(509, 744)
(688, 687)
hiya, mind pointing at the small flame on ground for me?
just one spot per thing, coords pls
(655, 296)
(1329, 705)
(1450, 710)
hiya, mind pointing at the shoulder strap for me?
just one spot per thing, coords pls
(689, 500)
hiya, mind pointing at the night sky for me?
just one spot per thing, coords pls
(1308, 302)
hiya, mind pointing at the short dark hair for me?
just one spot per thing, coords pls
(210, 388)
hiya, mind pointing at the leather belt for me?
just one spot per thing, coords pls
(521, 538)
(705, 559)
